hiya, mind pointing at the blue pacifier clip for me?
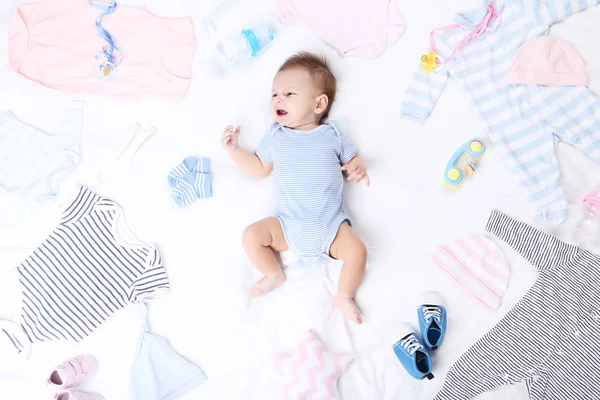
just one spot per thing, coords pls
(108, 68)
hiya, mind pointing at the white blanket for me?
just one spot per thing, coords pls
(208, 316)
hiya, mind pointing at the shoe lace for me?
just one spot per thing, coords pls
(411, 344)
(432, 312)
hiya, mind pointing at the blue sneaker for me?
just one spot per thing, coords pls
(410, 352)
(432, 319)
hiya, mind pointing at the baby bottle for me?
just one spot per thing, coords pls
(588, 224)
(245, 46)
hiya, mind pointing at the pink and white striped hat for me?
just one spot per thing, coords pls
(478, 265)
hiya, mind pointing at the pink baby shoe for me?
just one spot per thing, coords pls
(73, 372)
(71, 395)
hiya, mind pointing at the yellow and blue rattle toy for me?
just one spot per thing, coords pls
(453, 176)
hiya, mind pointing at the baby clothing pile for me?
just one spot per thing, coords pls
(90, 266)
(529, 90)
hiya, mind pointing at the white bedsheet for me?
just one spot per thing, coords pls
(208, 316)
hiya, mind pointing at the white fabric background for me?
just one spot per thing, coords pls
(406, 211)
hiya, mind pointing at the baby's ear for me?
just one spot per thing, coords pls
(321, 104)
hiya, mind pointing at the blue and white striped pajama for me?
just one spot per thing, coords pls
(524, 122)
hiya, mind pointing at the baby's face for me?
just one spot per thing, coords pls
(294, 98)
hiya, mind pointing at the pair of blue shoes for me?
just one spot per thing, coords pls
(411, 349)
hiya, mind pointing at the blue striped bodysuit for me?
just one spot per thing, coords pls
(309, 184)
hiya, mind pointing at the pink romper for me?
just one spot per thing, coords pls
(55, 42)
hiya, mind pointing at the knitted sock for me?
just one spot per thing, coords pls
(201, 182)
(190, 180)
(176, 174)
(191, 187)
(189, 164)
(197, 164)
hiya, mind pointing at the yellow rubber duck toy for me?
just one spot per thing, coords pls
(429, 61)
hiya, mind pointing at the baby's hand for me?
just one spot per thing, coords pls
(356, 170)
(229, 140)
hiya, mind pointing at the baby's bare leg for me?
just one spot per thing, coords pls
(348, 247)
(261, 240)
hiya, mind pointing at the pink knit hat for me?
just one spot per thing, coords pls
(548, 61)
(478, 265)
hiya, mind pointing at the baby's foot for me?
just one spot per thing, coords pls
(266, 284)
(348, 307)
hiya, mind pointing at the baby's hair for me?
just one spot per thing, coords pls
(318, 68)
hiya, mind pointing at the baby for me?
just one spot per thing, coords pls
(309, 158)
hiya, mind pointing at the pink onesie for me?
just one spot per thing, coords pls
(359, 28)
(55, 42)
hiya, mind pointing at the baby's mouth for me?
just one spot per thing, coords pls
(281, 113)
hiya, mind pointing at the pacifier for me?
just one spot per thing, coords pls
(108, 68)
(107, 71)
(453, 176)
(430, 61)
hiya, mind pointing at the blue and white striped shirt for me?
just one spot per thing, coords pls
(84, 272)
(524, 122)
(309, 183)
